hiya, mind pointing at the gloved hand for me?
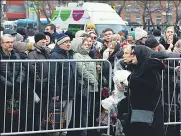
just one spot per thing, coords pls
(43, 81)
(9, 84)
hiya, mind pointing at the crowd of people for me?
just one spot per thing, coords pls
(55, 81)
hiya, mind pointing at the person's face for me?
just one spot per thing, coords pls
(156, 48)
(66, 45)
(48, 29)
(130, 37)
(7, 44)
(111, 49)
(90, 29)
(47, 40)
(107, 36)
(94, 38)
(127, 55)
(89, 42)
(143, 39)
(85, 45)
(42, 43)
(134, 59)
(169, 33)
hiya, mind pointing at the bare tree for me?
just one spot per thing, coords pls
(148, 8)
(42, 7)
(121, 6)
(176, 5)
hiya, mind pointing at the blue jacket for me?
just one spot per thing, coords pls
(64, 73)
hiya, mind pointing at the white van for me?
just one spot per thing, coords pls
(75, 17)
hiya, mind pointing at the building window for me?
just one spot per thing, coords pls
(158, 20)
(15, 9)
(147, 20)
(138, 19)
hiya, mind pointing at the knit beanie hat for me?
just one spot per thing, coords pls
(133, 34)
(19, 37)
(151, 42)
(39, 36)
(139, 33)
(70, 34)
(63, 38)
(157, 32)
(47, 33)
(91, 25)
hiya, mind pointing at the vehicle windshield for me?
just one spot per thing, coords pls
(115, 27)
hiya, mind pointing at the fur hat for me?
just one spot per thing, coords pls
(140, 33)
(79, 33)
(20, 46)
(39, 36)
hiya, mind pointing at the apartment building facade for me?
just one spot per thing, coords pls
(161, 14)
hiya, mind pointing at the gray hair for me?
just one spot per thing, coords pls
(5, 36)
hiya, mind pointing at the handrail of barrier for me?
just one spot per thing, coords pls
(58, 60)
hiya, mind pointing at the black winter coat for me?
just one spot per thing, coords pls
(41, 68)
(14, 72)
(62, 74)
(145, 92)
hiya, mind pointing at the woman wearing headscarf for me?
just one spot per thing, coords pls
(146, 111)
(169, 38)
(87, 80)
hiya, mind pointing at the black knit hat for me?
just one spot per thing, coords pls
(47, 33)
(151, 42)
(157, 32)
(39, 36)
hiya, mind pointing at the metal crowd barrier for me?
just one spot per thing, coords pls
(171, 91)
(30, 106)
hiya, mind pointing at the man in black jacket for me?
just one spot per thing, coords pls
(12, 77)
(39, 72)
(63, 75)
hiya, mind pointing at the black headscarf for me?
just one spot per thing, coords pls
(142, 54)
(145, 62)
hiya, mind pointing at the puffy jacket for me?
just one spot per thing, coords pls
(14, 72)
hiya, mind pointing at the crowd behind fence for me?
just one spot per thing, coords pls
(29, 105)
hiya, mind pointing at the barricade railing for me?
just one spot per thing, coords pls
(48, 96)
(171, 90)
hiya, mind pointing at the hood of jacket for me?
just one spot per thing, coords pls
(145, 62)
(142, 54)
(76, 46)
